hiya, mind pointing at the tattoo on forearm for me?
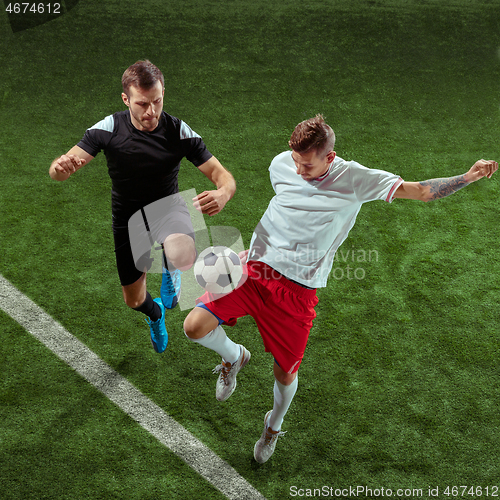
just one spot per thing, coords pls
(440, 188)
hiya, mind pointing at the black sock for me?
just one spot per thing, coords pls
(150, 308)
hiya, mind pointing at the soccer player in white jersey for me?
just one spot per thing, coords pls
(144, 147)
(318, 196)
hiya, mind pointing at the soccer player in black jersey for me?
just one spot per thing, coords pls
(144, 147)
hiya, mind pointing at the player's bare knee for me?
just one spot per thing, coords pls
(192, 328)
(286, 379)
(283, 377)
(180, 251)
(184, 261)
(199, 323)
(179, 258)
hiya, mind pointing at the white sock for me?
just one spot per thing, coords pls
(218, 341)
(283, 395)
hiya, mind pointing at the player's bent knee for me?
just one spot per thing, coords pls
(193, 329)
(287, 379)
(199, 323)
(186, 262)
(189, 329)
(180, 251)
(283, 377)
(183, 260)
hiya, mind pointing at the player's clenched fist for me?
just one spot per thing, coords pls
(480, 169)
(210, 202)
(65, 165)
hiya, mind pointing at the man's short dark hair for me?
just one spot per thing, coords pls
(142, 74)
(313, 134)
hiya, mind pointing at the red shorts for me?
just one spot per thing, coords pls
(283, 310)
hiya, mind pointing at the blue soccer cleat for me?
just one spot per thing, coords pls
(170, 288)
(159, 335)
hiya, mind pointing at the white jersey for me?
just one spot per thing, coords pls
(307, 221)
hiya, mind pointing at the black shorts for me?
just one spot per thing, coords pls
(149, 226)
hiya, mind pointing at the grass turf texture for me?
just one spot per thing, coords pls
(399, 387)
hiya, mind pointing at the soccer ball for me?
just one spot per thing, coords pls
(218, 269)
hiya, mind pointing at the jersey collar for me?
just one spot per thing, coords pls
(325, 175)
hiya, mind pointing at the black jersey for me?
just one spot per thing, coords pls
(143, 166)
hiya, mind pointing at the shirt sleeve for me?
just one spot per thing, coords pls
(193, 146)
(96, 137)
(371, 184)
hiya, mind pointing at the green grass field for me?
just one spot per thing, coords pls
(399, 388)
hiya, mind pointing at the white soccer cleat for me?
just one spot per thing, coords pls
(264, 447)
(226, 383)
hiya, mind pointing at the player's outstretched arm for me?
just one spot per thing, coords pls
(212, 202)
(62, 167)
(434, 189)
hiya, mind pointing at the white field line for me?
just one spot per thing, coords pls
(129, 399)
